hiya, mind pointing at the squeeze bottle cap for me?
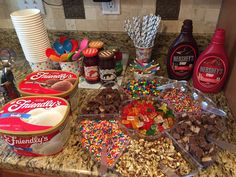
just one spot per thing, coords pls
(219, 36)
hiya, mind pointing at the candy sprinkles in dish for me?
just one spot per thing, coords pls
(146, 118)
(185, 99)
(35, 126)
(100, 134)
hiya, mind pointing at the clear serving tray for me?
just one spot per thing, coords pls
(212, 126)
(142, 87)
(186, 99)
(149, 123)
(195, 166)
(104, 142)
(103, 103)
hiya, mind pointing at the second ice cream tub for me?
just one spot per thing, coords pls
(35, 125)
(51, 83)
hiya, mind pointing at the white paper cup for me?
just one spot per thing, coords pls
(25, 13)
(70, 66)
(32, 42)
(56, 65)
(143, 54)
(28, 22)
(45, 65)
(29, 30)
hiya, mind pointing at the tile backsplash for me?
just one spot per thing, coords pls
(204, 14)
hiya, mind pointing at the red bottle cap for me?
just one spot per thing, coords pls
(90, 52)
(219, 36)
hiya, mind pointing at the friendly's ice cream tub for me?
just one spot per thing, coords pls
(51, 83)
(35, 125)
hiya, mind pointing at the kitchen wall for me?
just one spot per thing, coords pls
(204, 13)
(228, 8)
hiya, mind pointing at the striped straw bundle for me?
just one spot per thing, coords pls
(143, 30)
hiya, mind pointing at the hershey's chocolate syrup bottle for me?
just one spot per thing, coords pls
(182, 54)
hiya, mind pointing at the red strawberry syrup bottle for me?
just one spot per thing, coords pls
(212, 66)
(182, 54)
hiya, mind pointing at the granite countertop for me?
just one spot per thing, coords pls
(74, 161)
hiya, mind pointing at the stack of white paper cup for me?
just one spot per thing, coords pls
(33, 37)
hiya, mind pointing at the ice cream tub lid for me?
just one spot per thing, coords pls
(33, 115)
(49, 82)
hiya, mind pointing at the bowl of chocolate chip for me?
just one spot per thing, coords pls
(103, 103)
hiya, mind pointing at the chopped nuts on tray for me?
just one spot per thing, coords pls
(144, 158)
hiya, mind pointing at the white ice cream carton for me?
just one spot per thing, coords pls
(35, 125)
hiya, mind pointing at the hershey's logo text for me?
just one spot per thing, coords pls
(19, 104)
(50, 76)
(183, 58)
(208, 70)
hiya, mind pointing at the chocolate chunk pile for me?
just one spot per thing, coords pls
(107, 101)
(192, 132)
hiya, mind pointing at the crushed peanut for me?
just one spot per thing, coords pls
(145, 158)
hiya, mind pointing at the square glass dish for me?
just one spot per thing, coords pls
(195, 132)
(186, 99)
(143, 87)
(160, 157)
(192, 164)
(146, 118)
(103, 140)
(103, 103)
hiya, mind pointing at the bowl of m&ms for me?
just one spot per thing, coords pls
(146, 117)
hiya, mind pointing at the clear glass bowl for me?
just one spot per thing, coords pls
(145, 118)
(186, 99)
(193, 133)
(103, 103)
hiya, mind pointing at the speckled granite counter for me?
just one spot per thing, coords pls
(73, 161)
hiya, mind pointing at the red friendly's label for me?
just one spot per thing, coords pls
(210, 71)
(182, 60)
(28, 114)
(35, 126)
(48, 82)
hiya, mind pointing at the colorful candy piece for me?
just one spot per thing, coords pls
(147, 117)
(182, 101)
(96, 134)
(142, 88)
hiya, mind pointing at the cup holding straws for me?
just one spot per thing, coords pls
(143, 30)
